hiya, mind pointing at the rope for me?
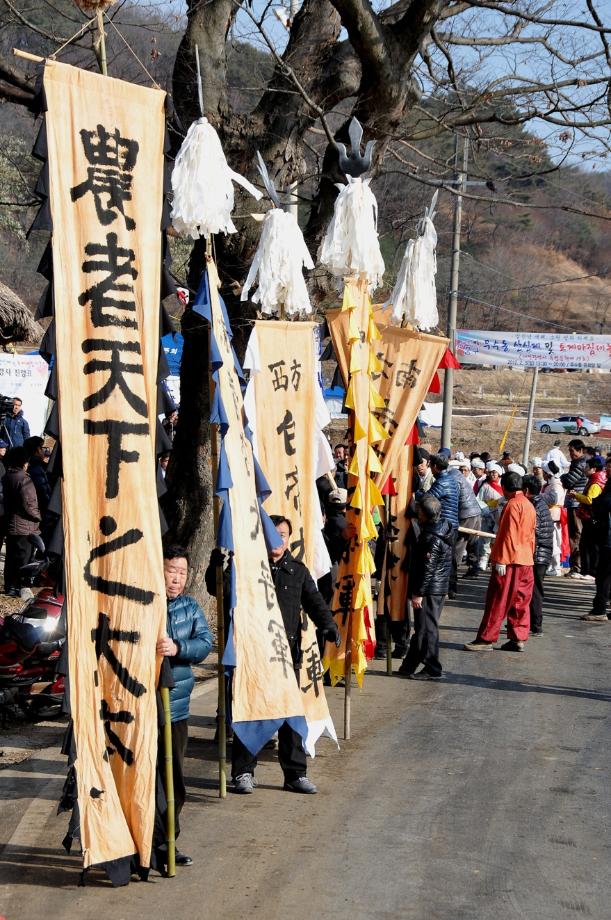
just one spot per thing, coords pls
(131, 50)
(75, 36)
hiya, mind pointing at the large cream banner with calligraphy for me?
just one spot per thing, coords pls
(105, 153)
(284, 403)
(264, 684)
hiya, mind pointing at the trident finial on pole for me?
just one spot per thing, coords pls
(353, 163)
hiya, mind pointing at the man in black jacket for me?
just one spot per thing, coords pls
(544, 548)
(429, 579)
(295, 590)
(575, 480)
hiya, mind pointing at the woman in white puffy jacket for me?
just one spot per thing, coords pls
(553, 494)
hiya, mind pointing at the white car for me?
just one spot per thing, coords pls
(567, 424)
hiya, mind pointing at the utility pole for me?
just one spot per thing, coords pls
(448, 378)
(529, 420)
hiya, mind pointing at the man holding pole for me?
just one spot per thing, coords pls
(295, 590)
(188, 642)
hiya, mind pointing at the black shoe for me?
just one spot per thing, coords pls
(182, 859)
(471, 573)
(451, 595)
(399, 652)
(424, 675)
(380, 653)
(403, 672)
(513, 645)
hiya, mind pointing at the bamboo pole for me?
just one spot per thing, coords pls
(476, 533)
(27, 56)
(102, 42)
(169, 782)
(348, 681)
(384, 573)
(220, 611)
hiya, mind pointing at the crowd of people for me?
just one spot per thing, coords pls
(551, 520)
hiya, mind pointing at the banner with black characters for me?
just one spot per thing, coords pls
(105, 142)
(287, 413)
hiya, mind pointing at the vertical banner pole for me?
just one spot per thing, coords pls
(102, 40)
(348, 681)
(529, 420)
(169, 781)
(220, 613)
(384, 584)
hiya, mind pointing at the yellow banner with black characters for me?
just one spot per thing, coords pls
(406, 364)
(352, 603)
(283, 403)
(105, 143)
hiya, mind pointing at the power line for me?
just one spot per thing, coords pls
(542, 284)
(496, 306)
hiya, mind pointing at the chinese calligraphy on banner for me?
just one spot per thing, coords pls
(105, 154)
(286, 412)
(264, 688)
(533, 349)
(352, 600)
(407, 361)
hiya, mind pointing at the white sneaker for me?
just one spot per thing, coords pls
(589, 578)
(576, 575)
(26, 594)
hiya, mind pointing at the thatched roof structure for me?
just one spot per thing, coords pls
(16, 322)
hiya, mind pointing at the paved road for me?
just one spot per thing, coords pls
(484, 797)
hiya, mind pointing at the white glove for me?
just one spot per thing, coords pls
(500, 568)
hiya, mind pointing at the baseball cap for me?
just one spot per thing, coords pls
(338, 497)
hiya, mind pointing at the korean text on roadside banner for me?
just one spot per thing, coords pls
(105, 154)
(533, 349)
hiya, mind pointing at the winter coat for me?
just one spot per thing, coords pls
(544, 531)
(576, 479)
(554, 494)
(188, 627)
(431, 561)
(596, 483)
(20, 503)
(332, 532)
(601, 513)
(468, 505)
(37, 471)
(2, 475)
(17, 428)
(340, 475)
(296, 590)
(445, 489)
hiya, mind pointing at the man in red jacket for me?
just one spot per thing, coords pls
(511, 581)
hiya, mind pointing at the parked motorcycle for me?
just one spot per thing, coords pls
(31, 641)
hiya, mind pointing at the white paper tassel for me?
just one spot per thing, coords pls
(279, 261)
(350, 246)
(414, 297)
(202, 183)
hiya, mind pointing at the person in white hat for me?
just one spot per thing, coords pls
(490, 494)
(554, 493)
(537, 469)
(479, 472)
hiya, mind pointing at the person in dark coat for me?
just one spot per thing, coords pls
(37, 471)
(429, 580)
(575, 480)
(188, 642)
(3, 522)
(16, 425)
(445, 488)
(544, 548)
(469, 515)
(295, 590)
(23, 519)
(601, 514)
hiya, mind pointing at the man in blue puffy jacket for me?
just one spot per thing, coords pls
(188, 641)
